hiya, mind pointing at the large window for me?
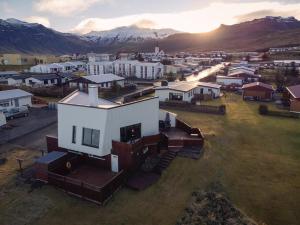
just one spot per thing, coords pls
(176, 96)
(90, 137)
(4, 103)
(130, 133)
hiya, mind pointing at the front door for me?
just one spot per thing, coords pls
(114, 163)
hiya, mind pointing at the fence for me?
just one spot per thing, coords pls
(220, 110)
(87, 191)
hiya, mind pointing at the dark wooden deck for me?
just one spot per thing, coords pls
(91, 175)
(175, 133)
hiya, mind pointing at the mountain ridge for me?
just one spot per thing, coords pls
(262, 33)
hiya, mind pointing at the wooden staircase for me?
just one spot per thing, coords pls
(165, 160)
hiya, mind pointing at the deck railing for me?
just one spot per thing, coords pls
(88, 191)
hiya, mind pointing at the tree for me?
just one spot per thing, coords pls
(293, 71)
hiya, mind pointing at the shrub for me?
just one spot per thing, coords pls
(263, 109)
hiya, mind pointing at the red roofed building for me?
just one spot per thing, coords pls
(258, 91)
(294, 96)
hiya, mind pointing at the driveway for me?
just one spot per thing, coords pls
(35, 140)
(37, 119)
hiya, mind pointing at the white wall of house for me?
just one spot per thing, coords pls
(13, 82)
(164, 94)
(2, 119)
(127, 68)
(108, 121)
(162, 116)
(208, 91)
(35, 82)
(16, 102)
(229, 81)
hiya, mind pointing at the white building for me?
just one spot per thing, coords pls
(227, 80)
(14, 98)
(186, 91)
(127, 68)
(177, 91)
(209, 89)
(102, 121)
(42, 80)
(101, 81)
(59, 67)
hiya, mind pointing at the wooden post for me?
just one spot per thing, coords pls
(19, 160)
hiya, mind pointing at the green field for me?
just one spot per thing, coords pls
(255, 159)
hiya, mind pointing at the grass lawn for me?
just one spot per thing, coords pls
(256, 159)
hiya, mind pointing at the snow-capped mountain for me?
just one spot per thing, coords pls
(15, 22)
(127, 34)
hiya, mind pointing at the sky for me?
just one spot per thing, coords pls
(195, 16)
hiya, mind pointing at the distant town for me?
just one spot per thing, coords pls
(151, 137)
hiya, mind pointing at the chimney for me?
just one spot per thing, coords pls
(93, 95)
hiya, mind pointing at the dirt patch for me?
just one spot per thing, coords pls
(212, 208)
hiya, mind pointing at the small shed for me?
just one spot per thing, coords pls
(47, 163)
(294, 97)
(258, 91)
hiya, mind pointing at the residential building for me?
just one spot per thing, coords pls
(18, 59)
(213, 90)
(4, 75)
(39, 80)
(177, 91)
(258, 91)
(101, 81)
(127, 68)
(59, 67)
(17, 80)
(229, 81)
(294, 97)
(14, 98)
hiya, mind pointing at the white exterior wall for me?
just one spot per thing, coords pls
(209, 90)
(108, 121)
(162, 116)
(14, 82)
(2, 119)
(163, 95)
(39, 82)
(225, 81)
(24, 101)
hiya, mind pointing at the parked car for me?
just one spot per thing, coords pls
(16, 112)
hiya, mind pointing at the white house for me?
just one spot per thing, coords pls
(4, 75)
(186, 91)
(209, 89)
(127, 68)
(227, 80)
(58, 67)
(177, 91)
(101, 81)
(17, 80)
(88, 124)
(42, 80)
(14, 98)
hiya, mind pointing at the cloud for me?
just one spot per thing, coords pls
(65, 7)
(144, 23)
(37, 19)
(6, 8)
(263, 13)
(198, 20)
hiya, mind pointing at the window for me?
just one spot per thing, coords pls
(74, 134)
(130, 133)
(4, 103)
(90, 137)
